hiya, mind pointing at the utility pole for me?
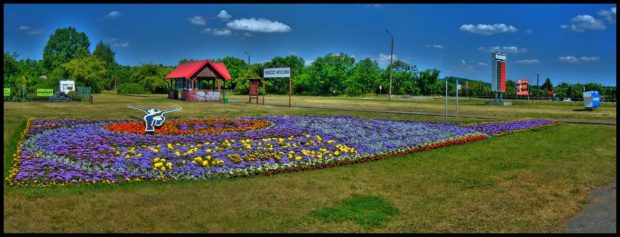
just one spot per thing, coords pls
(248, 60)
(446, 98)
(391, 57)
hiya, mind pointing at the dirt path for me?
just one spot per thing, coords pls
(599, 216)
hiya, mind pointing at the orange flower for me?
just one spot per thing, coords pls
(208, 126)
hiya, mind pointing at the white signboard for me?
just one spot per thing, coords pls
(277, 72)
(499, 56)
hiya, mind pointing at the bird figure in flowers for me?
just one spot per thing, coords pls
(154, 117)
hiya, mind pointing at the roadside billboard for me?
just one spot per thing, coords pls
(522, 87)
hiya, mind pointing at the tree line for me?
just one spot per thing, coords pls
(66, 56)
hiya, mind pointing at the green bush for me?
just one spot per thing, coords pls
(130, 88)
(33, 96)
(74, 96)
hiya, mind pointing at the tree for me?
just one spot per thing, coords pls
(511, 88)
(327, 74)
(547, 86)
(296, 64)
(185, 60)
(402, 77)
(242, 83)
(577, 90)
(151, 77)
(594, 87)
(105, 54)
(428, 78)
(235, 67)
(439, 88)
(88, 71)
(11, 70)
(364, 76)
(477, 88)
(64, 45)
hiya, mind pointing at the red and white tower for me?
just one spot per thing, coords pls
(498, 74)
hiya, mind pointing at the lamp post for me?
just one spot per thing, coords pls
(248, 60)
(391, 57)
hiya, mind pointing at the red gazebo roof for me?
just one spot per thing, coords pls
(188, 70)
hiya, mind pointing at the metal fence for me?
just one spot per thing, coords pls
(84, 92)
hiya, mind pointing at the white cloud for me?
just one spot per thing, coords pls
(573, 59)
(292, 52)
(30, 30)
(121, 45)
(222, 32)
(487, 29)
(112, 14)
(472, 67)
(308, 62)
(568, 59)
(374, 6)
(528, 61)
(436, 46)
(609, 15)
(35, 32)
(217, 32)
(197, 20)
(116, 42)
(505, 49)
(590, 59)
(223, 15)
(260, 25)
(528, 31)
(384, 59)
(581, 23)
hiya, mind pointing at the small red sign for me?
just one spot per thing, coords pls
(549, 92)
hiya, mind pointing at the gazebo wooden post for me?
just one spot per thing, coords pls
(223, 91)
(219, 87)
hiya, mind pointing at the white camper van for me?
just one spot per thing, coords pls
(66, 86)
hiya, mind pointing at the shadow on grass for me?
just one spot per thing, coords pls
(584, 109)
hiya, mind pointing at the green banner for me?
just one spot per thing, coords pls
(45, 92)
(7, 91)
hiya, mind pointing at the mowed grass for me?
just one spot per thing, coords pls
(532, 181)
(466, 106)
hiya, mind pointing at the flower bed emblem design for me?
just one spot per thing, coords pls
(154, 116)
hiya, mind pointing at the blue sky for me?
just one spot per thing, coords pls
(573, 43)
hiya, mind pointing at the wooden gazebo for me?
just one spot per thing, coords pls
(191, 74)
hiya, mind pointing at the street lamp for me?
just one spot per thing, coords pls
(248, 60)
(391, 57)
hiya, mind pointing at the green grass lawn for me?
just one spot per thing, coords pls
(531, 181)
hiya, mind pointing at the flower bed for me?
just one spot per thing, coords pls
(62, 152)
